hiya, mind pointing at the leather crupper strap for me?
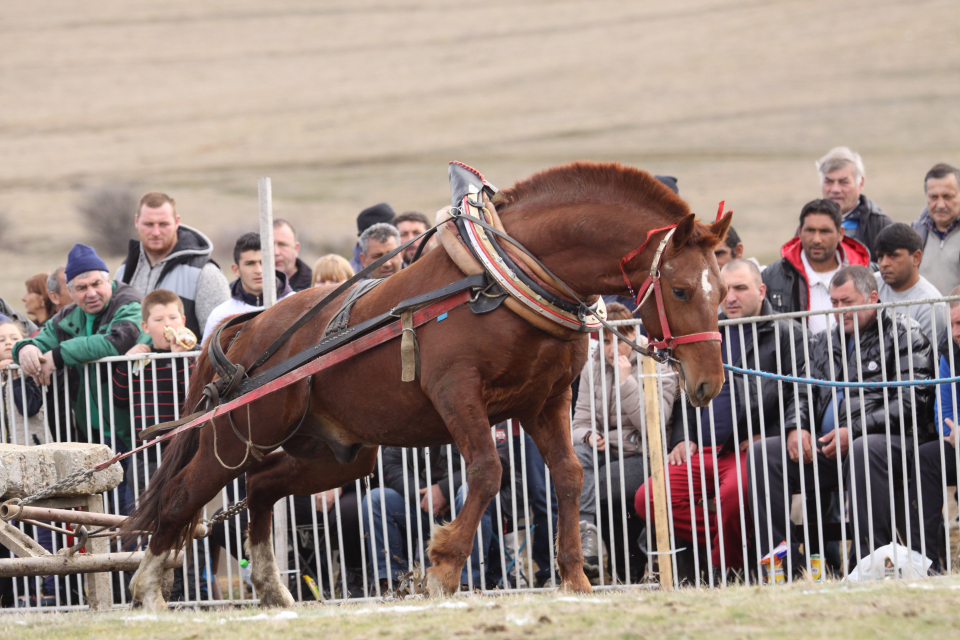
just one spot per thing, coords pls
(652, 285)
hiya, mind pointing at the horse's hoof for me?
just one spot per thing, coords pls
(435, 585)
(577, 583)
(166, 583)
(276, 596)
(147, 594)
(153, 603)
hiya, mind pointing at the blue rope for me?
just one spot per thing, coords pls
(832, 383)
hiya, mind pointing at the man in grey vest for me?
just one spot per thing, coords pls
(169, 255)
(939, 227)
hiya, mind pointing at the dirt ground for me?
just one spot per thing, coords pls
(898, 609)
(345, 104)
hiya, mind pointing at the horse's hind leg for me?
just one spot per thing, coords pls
(550, 431)
(452, 543)
(183, 497)
(278, 476)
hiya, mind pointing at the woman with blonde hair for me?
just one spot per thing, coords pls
(331, 269)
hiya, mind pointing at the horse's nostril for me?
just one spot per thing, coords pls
(703, 392)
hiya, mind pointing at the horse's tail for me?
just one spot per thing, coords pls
(178, 454)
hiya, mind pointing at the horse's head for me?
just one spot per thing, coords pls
(579, 216)
(691, 291)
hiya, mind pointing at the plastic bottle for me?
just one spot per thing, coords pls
(245, 570)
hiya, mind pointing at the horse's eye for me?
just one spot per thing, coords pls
(680, 293)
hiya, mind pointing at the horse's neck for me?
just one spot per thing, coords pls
(586, 257)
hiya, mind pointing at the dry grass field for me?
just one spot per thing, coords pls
(344, 104)
(886, 610)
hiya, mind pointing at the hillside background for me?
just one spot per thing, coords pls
(345, 104)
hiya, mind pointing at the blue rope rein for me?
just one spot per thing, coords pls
(837, 383)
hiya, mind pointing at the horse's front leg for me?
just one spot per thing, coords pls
(550, 431)
(452, 543)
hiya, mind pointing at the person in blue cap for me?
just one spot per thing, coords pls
(104, 320)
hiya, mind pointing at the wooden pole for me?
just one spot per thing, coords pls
(266, 243)
(657, 481)
(74, 517)
(51, 565)
(269, 299)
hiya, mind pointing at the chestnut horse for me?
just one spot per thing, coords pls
(579, 220)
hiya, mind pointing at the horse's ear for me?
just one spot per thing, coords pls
(684, 230)
(720, 227)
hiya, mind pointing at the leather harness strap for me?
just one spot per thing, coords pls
(240, 384)
(343, 350)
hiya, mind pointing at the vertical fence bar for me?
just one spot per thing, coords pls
(887, 434)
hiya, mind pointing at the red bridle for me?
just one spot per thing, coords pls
(652, 284)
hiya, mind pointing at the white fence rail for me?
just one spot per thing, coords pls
(727, 506)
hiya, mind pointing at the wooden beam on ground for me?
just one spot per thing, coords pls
(657, 479)
(22, 545)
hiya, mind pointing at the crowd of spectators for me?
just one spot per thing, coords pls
(845, 252)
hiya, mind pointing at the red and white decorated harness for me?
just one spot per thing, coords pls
(652, 285)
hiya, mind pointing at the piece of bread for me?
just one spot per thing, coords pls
(182, 336)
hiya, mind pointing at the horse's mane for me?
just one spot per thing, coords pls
(608, 183)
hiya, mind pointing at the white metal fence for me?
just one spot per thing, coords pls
(726, 507)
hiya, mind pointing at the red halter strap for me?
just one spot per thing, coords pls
(653, 282)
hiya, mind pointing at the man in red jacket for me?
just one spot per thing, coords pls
(800, 280)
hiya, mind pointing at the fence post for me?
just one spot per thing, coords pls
(269, 299)
(657, 481)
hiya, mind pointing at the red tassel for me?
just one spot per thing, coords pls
(720, 209)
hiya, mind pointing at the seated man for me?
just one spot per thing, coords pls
(510, 437)
(428, 497)
(837, 356)
(732, 421)
(930, 476)
(596, 385)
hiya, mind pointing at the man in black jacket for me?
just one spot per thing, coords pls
(418, 481)
(734, 419)
(845, 416)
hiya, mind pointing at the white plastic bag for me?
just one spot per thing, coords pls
(890, 561)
